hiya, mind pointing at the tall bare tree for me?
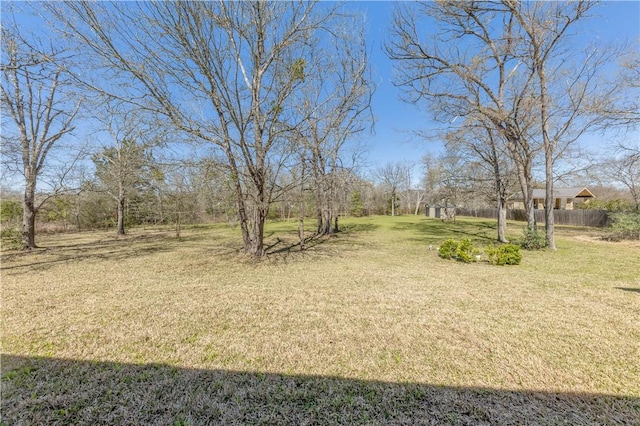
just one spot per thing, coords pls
(512, 64)
(393, 177)
(481, 143)
(622, 112)
(624, 168)
(431, 177)
(406, 190)
(33, 92)
(565, 89)
(223, 72)
(461, 59)
(334, 106)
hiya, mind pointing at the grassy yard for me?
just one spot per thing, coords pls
(366, 327)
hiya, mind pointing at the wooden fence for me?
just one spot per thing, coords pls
(593, 218)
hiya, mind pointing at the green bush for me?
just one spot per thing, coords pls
(504, 254)
(625, 226)
(10, 238)
(463, 251)
(466, 252)
(448, 249)
(532, 239)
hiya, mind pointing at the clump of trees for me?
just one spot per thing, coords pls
(34, 93)
(514, 77)
(253, 80)
(249, 111)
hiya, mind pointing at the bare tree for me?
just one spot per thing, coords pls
(335, 106)
(33, 93)
(223, 72)
(467, 65)
(482, 144)
(511, 64)
(629, 175)
(624, 168)
(406, 190)
(393, 177)
(300, 197)
(431, 177)
(454, 187)
(621, 109)
(622, 112)
(565, 89)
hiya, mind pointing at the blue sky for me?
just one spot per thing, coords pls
(394, 139)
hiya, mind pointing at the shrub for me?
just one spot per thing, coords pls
(463, 251)
(448, 249)
(625, 226)
(466, 252)
(504, 254)
(532, 239)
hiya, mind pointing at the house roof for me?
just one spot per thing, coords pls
(576, 192)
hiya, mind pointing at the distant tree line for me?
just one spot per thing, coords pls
(245, 112)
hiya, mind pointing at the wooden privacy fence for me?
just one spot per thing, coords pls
(594, 218)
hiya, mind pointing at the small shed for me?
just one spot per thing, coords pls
(563, 198)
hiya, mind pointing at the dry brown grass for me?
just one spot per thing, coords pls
(366, 327)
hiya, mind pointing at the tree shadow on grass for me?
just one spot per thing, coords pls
(288, 247)
(353, 228)
(290, 244)
(61, 391)
(631, 289)
(434, 231)
(112, 249)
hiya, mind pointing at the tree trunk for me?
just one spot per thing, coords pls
(121, 204)
(301, 223)
(419, 199)
(326, 221)
(301, 206)
(501, 196)
(549, 149)
(393, 203)
(527, 195)
(239, 195)
(29, 218)
(319, 226)
(502, 219)
(257, 231)
(325, 215)
(522, 159)
(548, 211)
(244, 222)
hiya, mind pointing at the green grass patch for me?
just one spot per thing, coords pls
(367, 327)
